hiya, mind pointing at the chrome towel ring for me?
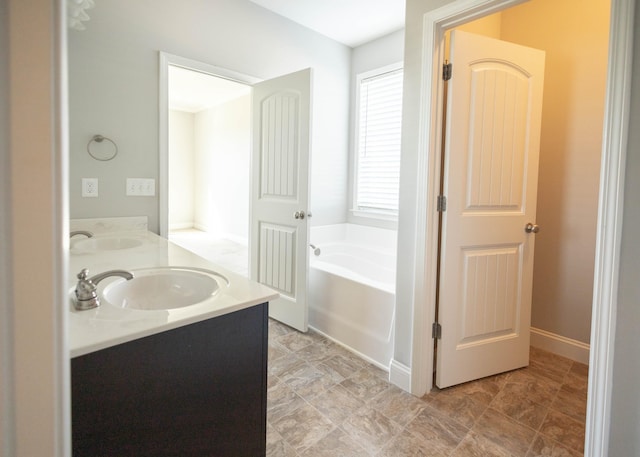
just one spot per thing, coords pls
(102, 153)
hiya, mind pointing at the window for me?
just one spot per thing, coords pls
(378, 133)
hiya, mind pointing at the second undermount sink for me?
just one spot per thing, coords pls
(163, 288)
(107, 244)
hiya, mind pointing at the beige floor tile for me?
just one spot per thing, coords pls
(538, 389)
(578, 377)
(344, 365)
(285, 364)
(474, 445)
(282, 400)
(548, 365)
(520, 407)
(456, 405)
(571, 402)
(277, 329)
(546, 447)
(303, 427)
(505, 432)
(294, 341)
(307, 381)
(409, 445)
(337, 404)
(336, 444)
(365, 385)
(437, 430)
(398, 405)
(325, 401)
(277, 446)
(276, 350)
(319, 351)
(370, 429)
(564, 429)
(482, 391)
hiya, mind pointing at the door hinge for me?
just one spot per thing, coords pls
(446, 71)
(441, 204)
(436, 331)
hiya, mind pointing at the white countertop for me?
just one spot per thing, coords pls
(109, 325)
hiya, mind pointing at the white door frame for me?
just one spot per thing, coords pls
(607, 256)
(166, 60)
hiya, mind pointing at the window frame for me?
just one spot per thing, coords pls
(372, 215)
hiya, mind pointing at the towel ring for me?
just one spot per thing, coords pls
(105, 156)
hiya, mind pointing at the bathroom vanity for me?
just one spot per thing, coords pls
(169, 382)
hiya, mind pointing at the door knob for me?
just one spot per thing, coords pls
(531, 228)
(299, 215)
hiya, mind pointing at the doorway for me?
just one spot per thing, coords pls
(569, 167)
(207, 163)
(422, 283)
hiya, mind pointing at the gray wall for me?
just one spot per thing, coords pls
(113, 73)
(624, 438)
(574, 35)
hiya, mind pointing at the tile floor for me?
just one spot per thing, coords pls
(325, 401)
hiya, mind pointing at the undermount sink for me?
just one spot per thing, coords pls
(163, 288)
(107, 244)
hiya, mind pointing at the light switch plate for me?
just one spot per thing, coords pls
(89, 187)
(141, 187)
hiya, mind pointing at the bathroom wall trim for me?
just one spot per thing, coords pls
(560, 345)
(400, 375)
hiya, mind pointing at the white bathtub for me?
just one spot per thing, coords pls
(352, 288)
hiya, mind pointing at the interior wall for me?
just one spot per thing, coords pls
(575, 36)
(113, 72)
(222, 169)
(182, 168)
(624, 439)
(489, 26)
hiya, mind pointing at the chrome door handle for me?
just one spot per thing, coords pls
(299, 215)
(531, 228)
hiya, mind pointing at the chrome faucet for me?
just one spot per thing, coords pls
(316, 251)
(86, 289)
(81, 232)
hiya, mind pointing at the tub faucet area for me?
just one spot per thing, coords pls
(86, 233)
(316, 251)
(86, 289)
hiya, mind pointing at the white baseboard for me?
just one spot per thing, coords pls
(350, 349)
(560, 345)
(400, 375)
(201, 227)
(180, 225)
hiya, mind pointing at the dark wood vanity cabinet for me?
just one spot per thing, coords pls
(198, 390)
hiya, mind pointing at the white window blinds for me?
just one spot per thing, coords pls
(378, 145)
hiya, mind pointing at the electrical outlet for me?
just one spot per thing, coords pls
(89, 187)
(141, 187)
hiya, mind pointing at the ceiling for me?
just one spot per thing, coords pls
(351, 22)
(192, 91)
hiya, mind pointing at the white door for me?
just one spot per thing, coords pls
(490, 183)
(280, 193)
